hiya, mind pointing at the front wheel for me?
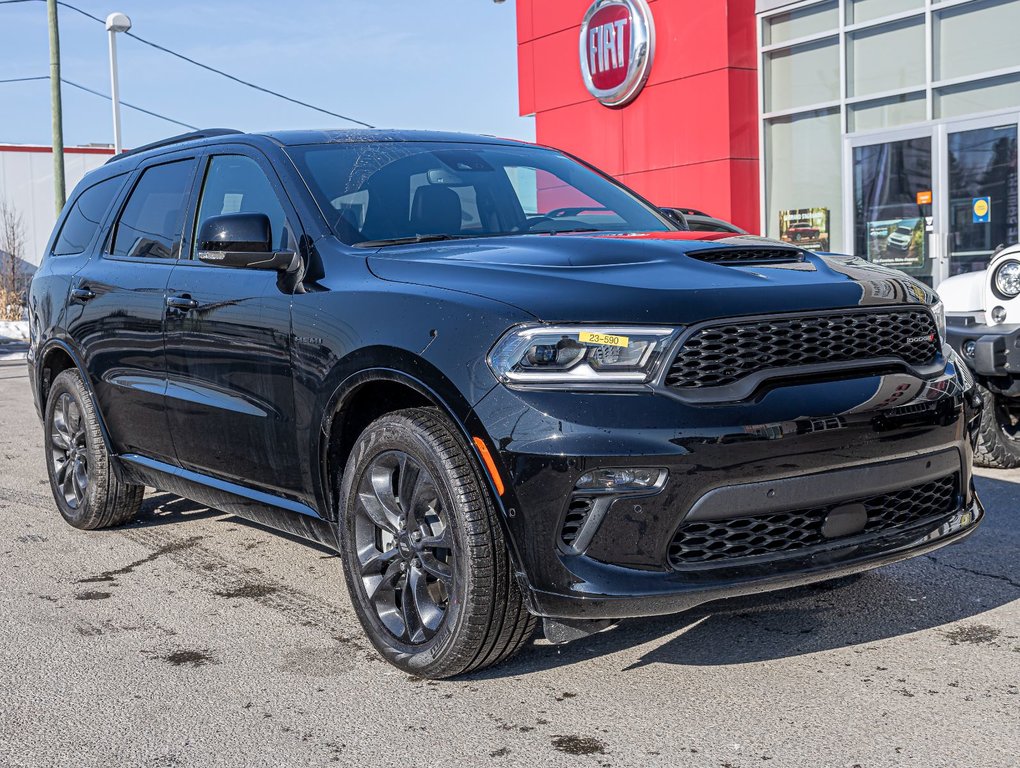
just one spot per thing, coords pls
(424, 556)
(999, 435)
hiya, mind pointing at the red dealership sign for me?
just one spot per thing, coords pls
(616, 49)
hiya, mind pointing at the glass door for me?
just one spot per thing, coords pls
(981, 169)
(893, 200)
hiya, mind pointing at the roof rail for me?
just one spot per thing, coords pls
(205, 133)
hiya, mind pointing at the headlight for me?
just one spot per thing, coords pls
(583, 357)
(939, 310)
(1007, 278)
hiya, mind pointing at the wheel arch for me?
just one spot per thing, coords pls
(54, 358)
(384, 389)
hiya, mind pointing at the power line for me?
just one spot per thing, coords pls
(102, 95)
(220, 72)
(65, 81)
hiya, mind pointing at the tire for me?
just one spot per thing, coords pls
(998, 438)
(424, 556)
(87, 492)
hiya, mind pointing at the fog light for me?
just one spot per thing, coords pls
(969, 348)
(621, 480)
(999, 314)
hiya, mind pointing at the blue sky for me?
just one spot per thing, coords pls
(443, 64)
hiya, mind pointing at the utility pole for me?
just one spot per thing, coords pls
(59, 193)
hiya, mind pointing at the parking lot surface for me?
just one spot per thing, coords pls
(192, 638)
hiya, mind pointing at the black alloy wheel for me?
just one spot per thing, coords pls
(424, 556)
(85, 487)
(405, 546)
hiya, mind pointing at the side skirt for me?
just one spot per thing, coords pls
(264, 508)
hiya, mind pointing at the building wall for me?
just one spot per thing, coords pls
(690, 138)
(26, 182)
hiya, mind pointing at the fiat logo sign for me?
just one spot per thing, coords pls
(617, 46)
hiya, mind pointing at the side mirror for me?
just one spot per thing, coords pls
(242, 240)
(676, 217)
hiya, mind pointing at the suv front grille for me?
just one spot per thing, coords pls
(719, 355)
(747, 255)
(786, 533)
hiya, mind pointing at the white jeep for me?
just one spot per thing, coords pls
(983, 326)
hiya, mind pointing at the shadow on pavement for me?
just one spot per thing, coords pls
(164, 508)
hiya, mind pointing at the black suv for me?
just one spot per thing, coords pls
(498, 382)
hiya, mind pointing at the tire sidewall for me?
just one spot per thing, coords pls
(996, 449)
(397, 432)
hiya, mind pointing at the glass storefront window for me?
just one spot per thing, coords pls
(802, 22)
(889, 222)
(887, 113)
(982, 96)
(859, 11)
(976, 37)
(982, 164)
(886, 58)
(803, 168)
(802, 75)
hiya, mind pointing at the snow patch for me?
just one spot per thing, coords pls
(13, 330)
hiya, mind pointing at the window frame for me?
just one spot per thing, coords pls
(137, 174)
(101, 227)
(198, 187)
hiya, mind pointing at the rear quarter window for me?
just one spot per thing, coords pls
(85, 216)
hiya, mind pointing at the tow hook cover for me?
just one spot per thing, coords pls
(844, 521)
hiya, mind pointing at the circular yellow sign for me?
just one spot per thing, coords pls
(980, 207)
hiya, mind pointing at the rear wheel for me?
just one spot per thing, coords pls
(424, 556)
(999, 435)
(87, 492)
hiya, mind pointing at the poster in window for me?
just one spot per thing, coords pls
(807, 228)
(896, 243)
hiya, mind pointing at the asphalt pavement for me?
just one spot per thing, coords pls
(192, 638)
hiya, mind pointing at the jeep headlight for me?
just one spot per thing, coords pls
(938, 309)
(1007, 279)
(582, 357)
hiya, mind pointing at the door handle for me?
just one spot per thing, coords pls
(82, 294)
(183, 303)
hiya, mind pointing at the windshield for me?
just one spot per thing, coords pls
(377, 192)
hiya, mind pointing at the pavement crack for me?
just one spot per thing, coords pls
(974, 572)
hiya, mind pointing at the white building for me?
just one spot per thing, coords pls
(26, 182)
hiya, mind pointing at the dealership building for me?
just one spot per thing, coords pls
(884, 128)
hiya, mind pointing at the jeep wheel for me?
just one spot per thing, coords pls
(423, 552)
(999, 436)
(87, 492)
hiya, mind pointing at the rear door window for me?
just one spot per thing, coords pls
(85, 216)
(151, 223)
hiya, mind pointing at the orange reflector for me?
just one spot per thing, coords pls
(490, 465)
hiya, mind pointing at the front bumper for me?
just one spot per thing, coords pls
(798, 441)
(989, 350)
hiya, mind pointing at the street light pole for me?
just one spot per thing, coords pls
(56, 111)
(116, 22)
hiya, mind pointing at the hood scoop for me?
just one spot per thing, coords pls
(744, 256)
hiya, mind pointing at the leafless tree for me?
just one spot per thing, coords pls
(12, 251)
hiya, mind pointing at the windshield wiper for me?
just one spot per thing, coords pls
(407, 240)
